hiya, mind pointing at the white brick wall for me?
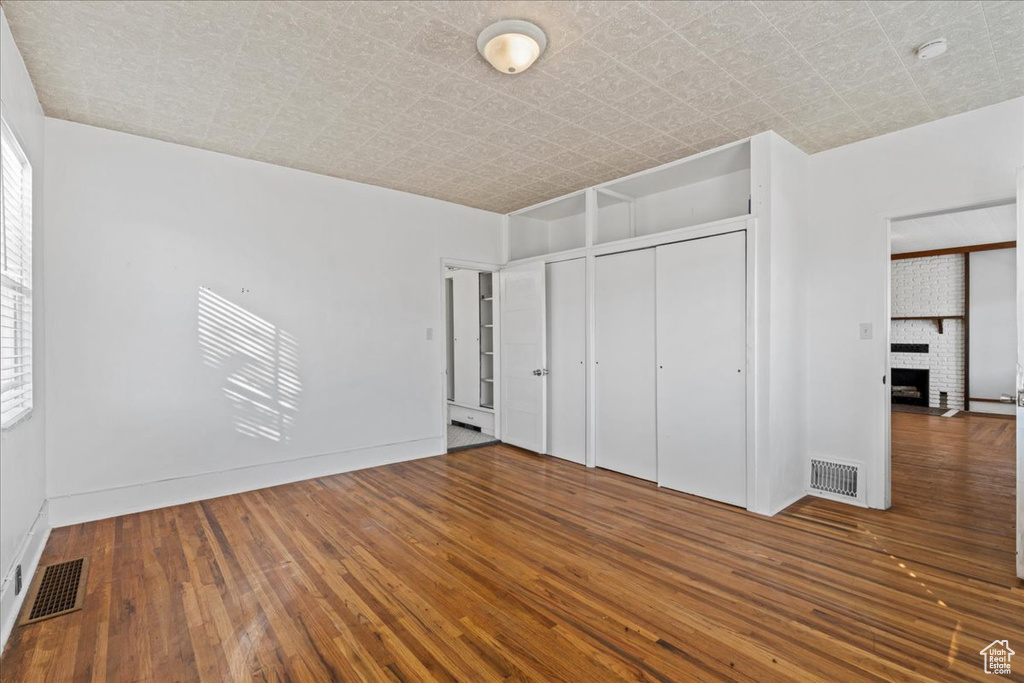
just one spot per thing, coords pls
(931, 286)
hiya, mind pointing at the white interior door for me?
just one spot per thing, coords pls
(701, 340)
(567, 355)
(1020, 373)
(524, 357)
(624, 373)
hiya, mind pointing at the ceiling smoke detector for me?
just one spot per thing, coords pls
(931, 49)
(511, 46)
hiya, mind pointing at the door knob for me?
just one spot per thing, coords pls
(541, 372)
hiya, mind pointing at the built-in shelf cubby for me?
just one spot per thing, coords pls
(555, 226)
(486, 340)
(693, 191)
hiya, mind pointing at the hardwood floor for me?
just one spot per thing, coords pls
(496, 564)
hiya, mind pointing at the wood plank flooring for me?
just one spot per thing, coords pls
(495, 564)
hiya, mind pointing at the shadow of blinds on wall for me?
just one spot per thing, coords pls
(15, 281)
(261, 366)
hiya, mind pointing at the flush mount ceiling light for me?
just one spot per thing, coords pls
(511, 46)
(931, 49)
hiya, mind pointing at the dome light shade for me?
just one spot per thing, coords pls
(511, 46)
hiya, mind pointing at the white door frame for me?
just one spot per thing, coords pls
(884, 476)
(481, 267)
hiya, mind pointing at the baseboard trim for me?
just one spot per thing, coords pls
(93, 505)
(799, 495)
(28, 556)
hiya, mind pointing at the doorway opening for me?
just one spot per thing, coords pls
(470, 294)
(952, 367)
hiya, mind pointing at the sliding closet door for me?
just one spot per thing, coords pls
(701, 313)
(625, 370)
(567, 354)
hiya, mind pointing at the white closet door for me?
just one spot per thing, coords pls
(701, 313)
(466, 309)
(523, 357)
(567, 354)
(625, 370)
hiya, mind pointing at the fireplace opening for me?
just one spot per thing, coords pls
(910, 387)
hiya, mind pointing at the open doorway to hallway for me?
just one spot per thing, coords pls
(953, 358)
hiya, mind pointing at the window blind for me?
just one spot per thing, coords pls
(15, 280)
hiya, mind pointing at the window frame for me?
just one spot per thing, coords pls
(23, 322)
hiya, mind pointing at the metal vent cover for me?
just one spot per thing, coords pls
(838, 479)
(57, 589)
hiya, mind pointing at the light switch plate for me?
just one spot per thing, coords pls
(866, 331)
(430, 333)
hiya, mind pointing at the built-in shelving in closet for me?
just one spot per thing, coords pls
(689, 306)
(471, 354)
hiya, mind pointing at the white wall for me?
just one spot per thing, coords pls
(218, 324)
(993, 328)
(953, 162)
(932, 285)
(787, 406)
(23, 524)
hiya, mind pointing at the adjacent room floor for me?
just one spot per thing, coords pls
(460, 438)
(494, 563)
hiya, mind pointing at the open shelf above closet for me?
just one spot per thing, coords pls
(707, 188)
(556, 226)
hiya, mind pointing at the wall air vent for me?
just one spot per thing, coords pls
(836, 480)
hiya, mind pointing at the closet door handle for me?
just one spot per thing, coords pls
(541, 372)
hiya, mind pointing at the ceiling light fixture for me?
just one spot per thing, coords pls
(511, 46)
(931, 49)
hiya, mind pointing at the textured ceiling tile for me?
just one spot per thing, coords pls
(700, 76)
(615, 84)
(830, 106)
(1005, 20)
(818, 21)
(538, 122)
(395, 94)
(628, 31)
(385, 19)
(853, 58)
(799, 93)
(679, 14)
(779, 10)
(961, 74)
(917, 18)
(750, 118)
(664, 57)
(575, 63)
(572, 106)
(725, 94)
(905, 106)
(879, 90)
(460, 91)
(967, 35)
(442, 44)
(725, 26)
(280, 45)
(671, 119)
(778, 73)
(753, 52)
(605, 120)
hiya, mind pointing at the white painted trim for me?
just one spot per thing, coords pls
(92, 505)
(878, 474)
(482, 267)
(785, 504)
(641, 242)
(28, 556)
